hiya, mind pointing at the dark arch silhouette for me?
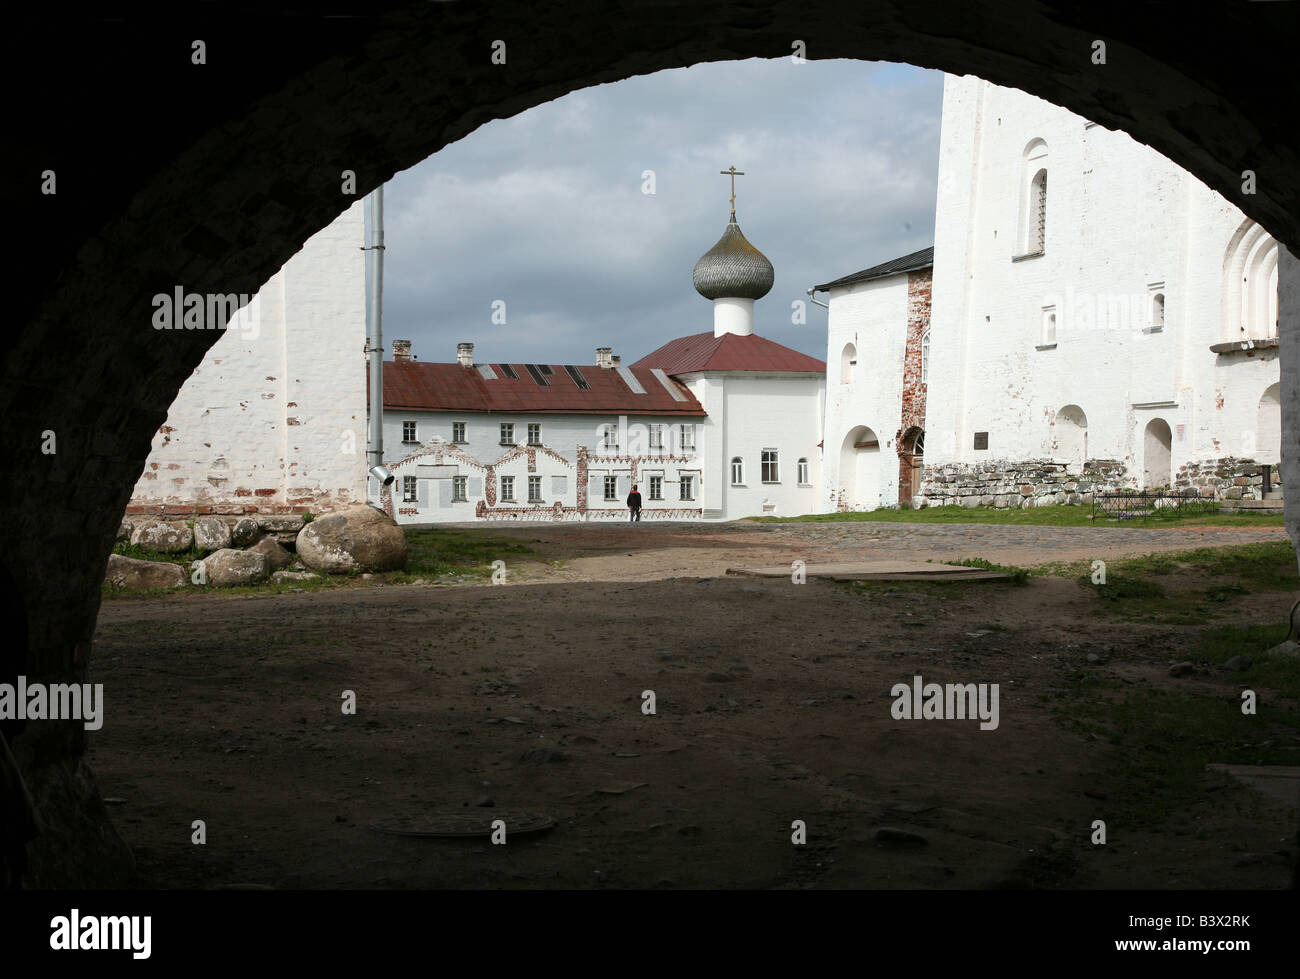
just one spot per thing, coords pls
(210, 176)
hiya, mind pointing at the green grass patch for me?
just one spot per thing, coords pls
(1018, 576)
(436, 551)
(1162, 740)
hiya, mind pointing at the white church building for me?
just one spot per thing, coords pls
(712, 426)
(1114, 326)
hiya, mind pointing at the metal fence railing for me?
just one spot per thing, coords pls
(1145, 504)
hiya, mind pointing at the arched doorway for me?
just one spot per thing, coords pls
(1070, 436)
(911, 465)
(1157, 447)
(1268, 427)
(859, 470)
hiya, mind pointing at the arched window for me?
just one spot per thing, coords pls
(1249, 296)
(1033, 206)
(848, 363)
(803, 473)
(1158, 311)
(737, 471)
(925, 358)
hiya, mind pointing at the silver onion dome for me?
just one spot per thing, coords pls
(733, 268)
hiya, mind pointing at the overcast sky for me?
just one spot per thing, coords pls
(545, 211)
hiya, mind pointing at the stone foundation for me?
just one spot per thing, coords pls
(1043, 482)
(1225, 479)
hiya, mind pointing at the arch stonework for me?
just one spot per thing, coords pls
(209, 177)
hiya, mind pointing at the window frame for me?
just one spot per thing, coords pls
(774, 463)
(458, 429)
(459, 489)
(507, 433)
(507, 489)
(409, 426)
(737, 471)
(535, 482)
(537, 426)
(410, 489)
(686, 487)
(656, 487)
(611, 488)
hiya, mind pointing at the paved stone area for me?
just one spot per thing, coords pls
(651, 551)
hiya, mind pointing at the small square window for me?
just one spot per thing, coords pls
(408, 432)
(981, 440)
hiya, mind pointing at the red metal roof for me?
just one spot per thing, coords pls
(451, 387)
(729, 352)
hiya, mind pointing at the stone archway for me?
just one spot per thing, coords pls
(226, 172)
(911, 464)
(1157, 446)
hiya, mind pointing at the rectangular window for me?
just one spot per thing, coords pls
(458, 494)
(611, 438)
(656, 436)
(408, 431)
(611, 487)
(686, 487)
(1049, 326)
(688, 436)
(981, 440)
(656, 487)
(535, 434)
(534, 489)
(770, 471)
(507, 433)
(803, 472)
(507, 489)
(408, 489)
(925, 358)
(458, 433)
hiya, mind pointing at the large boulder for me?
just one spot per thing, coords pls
(127, 572)
(211, 534)
(158, 535)
(277, 558)
(359, 538)
(245, 532)
(230, 567)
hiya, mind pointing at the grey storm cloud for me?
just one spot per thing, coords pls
(545, 211)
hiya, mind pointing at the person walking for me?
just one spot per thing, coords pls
(634, 505)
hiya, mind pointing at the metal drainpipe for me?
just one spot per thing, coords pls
(374, 249)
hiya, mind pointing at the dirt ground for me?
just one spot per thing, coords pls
(772, 705)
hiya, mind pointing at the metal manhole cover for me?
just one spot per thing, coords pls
(464, 825)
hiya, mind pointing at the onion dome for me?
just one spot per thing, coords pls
(733, 268)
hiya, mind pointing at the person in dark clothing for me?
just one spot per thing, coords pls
(634, 504)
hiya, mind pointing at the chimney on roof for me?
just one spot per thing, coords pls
(465, 354)
(615, 360)
(401, 350)
(605, 357)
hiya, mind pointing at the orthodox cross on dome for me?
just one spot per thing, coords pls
(734, 173)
